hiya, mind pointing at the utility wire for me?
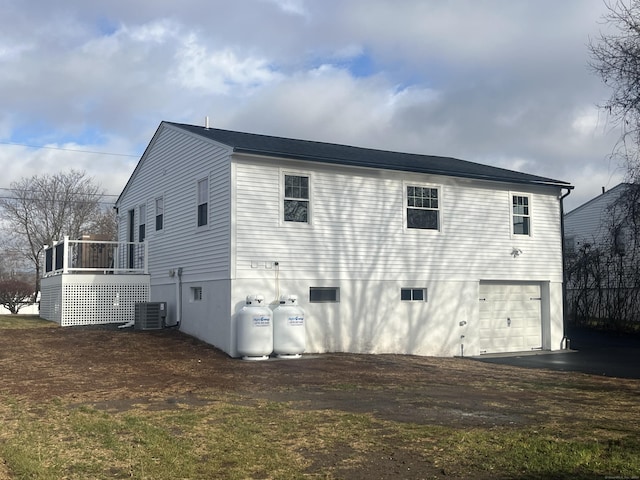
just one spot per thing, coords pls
(39, 192)
(69, 149)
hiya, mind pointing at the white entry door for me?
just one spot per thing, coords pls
(510, 317)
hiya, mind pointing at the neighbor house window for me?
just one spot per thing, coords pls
(413, 294)
(324, 294)
(203, 201)
(142, 222)
(570, 245)
(296, 198)
(159, 213)
(423, 208)
(521, 215)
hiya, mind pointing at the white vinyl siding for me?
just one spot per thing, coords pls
(358, 228)
(174, 162)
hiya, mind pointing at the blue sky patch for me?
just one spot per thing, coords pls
(360, 66)
(106, 26)
(40, 133)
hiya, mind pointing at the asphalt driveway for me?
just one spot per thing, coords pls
(597, 353)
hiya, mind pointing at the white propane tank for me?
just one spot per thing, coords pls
(289, 337)
(255, 329)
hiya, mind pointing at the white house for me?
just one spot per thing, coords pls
(387, 252)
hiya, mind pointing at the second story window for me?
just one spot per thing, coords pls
(423, 208)
(159, 213)
(203, 202)
(296, 198)
(521, 215)
(142, 222)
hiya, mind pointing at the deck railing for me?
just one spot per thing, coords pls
(95, 256)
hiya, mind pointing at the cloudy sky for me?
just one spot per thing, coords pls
(500, 82)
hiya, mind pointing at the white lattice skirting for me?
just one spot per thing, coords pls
(87, 299)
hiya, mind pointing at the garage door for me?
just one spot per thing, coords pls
(510, 317)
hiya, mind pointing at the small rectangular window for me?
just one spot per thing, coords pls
(521, 215)
(423, 208)
(159, 213)
(196, 294)
(413, 294)
(570, 245)
(142, 210)
(203, 202)
(324, 294)
(296, 198)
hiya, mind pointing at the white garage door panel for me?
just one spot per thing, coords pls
(510, 317)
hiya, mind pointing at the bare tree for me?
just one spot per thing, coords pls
(105, 224)
(615, 57)
(603, 276)
(607, 276)
(44, 208)
(14, 294)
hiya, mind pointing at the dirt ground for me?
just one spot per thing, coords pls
(115, 369)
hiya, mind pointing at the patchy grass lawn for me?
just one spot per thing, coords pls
(8, 322)
(104, 404)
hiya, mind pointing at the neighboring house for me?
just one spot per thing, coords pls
(603, 258)
(387, 252)
(590, 224)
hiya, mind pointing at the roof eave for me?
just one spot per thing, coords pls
(430, 171)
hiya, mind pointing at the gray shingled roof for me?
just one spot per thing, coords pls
(362, 157)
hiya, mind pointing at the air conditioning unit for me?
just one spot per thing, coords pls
(150, 315)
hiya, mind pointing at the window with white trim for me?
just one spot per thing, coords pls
(423, 207)
(296, 198)
(159, 213)
(142, 222)
(521, 211)
(203, 202)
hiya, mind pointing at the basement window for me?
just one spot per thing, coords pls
(324, 294)
(413, 294)
(196, 294)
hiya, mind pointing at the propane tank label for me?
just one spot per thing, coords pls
(296, 321)
(261, 321)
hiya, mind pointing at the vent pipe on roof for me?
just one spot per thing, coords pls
(602, 189)
(206, 122)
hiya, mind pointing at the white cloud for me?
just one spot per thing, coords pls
(295, 7)
(219, 72)
(587, 122)
(503, 83)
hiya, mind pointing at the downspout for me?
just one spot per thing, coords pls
(179, 298)
(177, 273)
(565, 343)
